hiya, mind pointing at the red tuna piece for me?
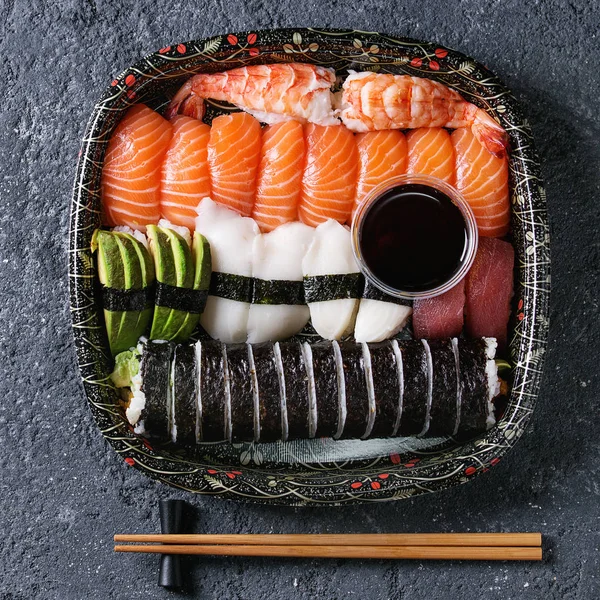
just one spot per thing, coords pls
(442, 316)
(490, 289)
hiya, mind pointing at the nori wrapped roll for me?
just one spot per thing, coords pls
(213, 426)
(326, 389)
(357, 396)
(296, 391)
(155, 370)
(269, 392)
(444, 407)
(386, 386)
(414, 406)
(242, 397)
(184, 395)
(475, 386)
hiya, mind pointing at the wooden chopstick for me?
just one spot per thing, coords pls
(334, 539)
(328, 551)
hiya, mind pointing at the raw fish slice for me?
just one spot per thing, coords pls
(272, 93)
(378, 320)
(442, 316)
(130, 187)
(380, 316)
(233, 156)
(329, 177)
(430, 152)
(279, 175)
(482, 179)
(381, 155)
(185, 179)
(277, 256)
(331, 254)
(489, 290)
(231, 238)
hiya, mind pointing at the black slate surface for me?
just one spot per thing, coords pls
(64, 493)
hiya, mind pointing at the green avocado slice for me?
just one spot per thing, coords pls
(120, 259)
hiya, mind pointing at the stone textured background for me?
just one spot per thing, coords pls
(64, 493)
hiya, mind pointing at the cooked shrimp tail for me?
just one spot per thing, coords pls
(185, 102)
(491, 135)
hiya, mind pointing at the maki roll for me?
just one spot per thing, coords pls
(479, 384)
(295, 397)
(214, 401)
(386, 389)
(243, 413)
(357, 395)
(148, 410)
(445, 394)
(415, 369)
(325, 377)
(184, 395)
(268, 388)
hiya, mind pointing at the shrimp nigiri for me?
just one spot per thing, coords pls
(373, 101)
(271, 93)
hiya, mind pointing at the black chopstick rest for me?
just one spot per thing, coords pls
(171, 512)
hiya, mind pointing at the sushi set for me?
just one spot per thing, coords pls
(310, 269)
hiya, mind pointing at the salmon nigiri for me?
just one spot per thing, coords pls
(130, 185)
(329, 177)
(185, 179)
(430, 152)
(279, 175)
(233, 156)
(482, 179)
(381, 154)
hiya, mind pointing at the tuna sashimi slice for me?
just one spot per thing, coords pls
(489, 289)
(442, 316)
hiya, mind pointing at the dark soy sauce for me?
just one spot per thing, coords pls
(413, 238)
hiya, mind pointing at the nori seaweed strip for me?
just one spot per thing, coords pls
(155, 369)
(443, 404)
(180, 298)
(387, 388)
(326, 389)
(269, 394)
(212, 392)
(414, 409)
(321, 288)
(186, 393)
(296, 390)
(372, 292)
(474, 383)
(242, 399)
(127, 300)
(277, 291)
(231, 287)
(357, 396)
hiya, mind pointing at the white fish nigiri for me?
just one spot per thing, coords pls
(278, 256)
(378, 320)
(331, 254)
(231, 238)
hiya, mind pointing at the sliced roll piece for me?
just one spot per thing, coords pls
(243, 412)
(415, 397)
(278, 310)
(268, 384)
(380, 316)
(479, 384)
(231, 238)
(332, 281)
(444, 413)
(357, 394)
(184, 395)
(295, 397)
(325, 375)
(215, 421)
